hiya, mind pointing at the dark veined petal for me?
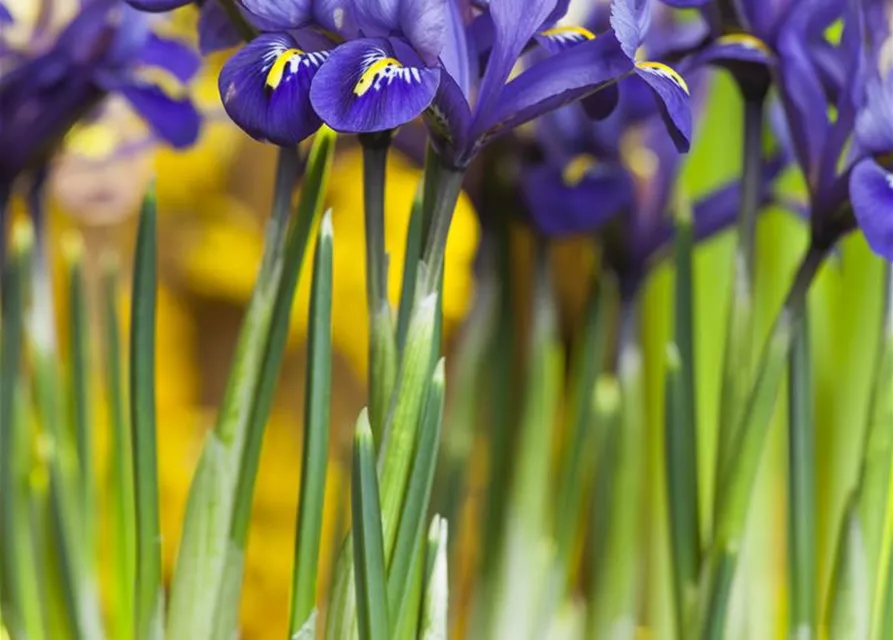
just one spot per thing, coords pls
(171, 55)
(515, 22)
(158, 6)
(265, 89)
(174, 120)
(556, 81)
(672, 95)
(871, 192)
(578, 199)
(363, 87)
(281, 14)
(559, 38)
(215, 30)
(630, 19)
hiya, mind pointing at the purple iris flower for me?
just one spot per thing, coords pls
(617, 175)
(101, 51)
(580, 63)
(5, 15)
(381, 66)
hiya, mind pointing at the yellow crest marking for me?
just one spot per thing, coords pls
(367, 80)
(577, 168)
(277, 71)
(559, 32)
(660, 67)
(745, 40)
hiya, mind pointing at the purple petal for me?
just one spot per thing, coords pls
(175, 121)
(736, 47)
(514, 24)
(158, 6)
(685, 4)
(215, 30)
(363, 87)
(171, 55)
(577, 200)
(672, 96)
(871, 192)
(424, 23)
(265, 89)
(456, 55)
(5, 15)
(280, 14)
(874, 124)
(629, 19)
(556, 81)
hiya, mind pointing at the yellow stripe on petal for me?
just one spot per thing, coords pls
(577, 169)
(745, 40)
(367, 80)
(569, 33)
(277, 71)
(664, 70)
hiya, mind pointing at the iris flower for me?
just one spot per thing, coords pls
(464, 117)
(381, 66)
(105, 49)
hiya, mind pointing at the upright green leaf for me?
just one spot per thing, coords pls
(437, 584)
(149, 604)
(849, 608)
(371, 580)
(315, 453)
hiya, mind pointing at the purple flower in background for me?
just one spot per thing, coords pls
(103, 50)
(216, 30)
(5, 15)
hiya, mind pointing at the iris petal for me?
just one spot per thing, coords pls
(171, 55)
(672, 95)
(364, 87)
(175, 121)
(871, 192)
(5, 15)
(630, 19)
(283, 14)
(158, 6)
(736, 47)
(560, 208)
(265, 89)
(449, 118)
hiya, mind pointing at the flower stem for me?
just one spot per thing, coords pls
(445, 195)
(738, 359)
(382, 339)
(735, 483)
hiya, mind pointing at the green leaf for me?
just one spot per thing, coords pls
(411, 255)
(801, 490)
(315, 453)
(149, 609)
(849, 607)
(371, 581)
(434, 623)
(20, 595)
(401, 434)
(122, 523)
(418, 495)
(382, 367)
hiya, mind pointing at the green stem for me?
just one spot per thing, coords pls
(801, 490)
(735, 484)
(446, 194)
(738, 358)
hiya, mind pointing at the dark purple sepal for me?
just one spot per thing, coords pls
(174, 120)
(871, 193)
(673, 100)
(265, 89)
(158, 6)
(602, 104)
(174, 56)
(449, 119)
(364, 87)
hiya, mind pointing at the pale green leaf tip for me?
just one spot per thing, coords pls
(22, 237)
(438, 532)
(326, 229)
(364, 428)
(439, 377)
(607, 395)
(150, 199)
(673, 357)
